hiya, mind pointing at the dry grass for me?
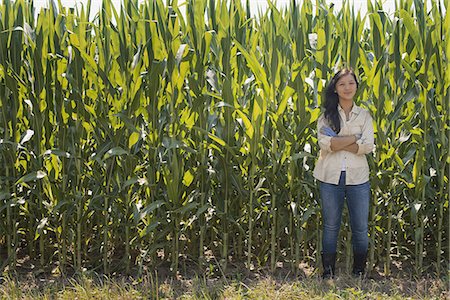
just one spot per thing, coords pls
(236, 286)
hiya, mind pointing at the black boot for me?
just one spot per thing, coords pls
(328, 262)
(359, 263)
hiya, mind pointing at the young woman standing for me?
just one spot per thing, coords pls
(345, 135)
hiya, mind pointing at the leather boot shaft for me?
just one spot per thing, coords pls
(328, 263)
(359, 263)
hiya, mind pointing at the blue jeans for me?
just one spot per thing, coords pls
(332, 201)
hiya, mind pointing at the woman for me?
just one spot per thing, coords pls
(345, 135)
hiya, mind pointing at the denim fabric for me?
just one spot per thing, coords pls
(332, 202)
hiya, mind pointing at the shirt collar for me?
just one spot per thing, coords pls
(355, 109)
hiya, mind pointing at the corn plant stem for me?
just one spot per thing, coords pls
(389, 217)
(250, 214)
(31, 242)
(201, 243)
(41, 207)
(203, 192)
(6, 230)
(176, 245)
(306, 239)
(106, 218)
(419, 241)
(348, 250)
(416, 242)
(291, 241)
(273, 238)
(227, 192)
(105, 237)
(439, 238)
(373, 208)
(78, 263)
(11, 237)
(319, 239)
(152, 197)
(373, 214)
(240, 238)
(299, 234)
(340, 244)
(387, 268)
(127, 246)
(10, 231)
(15, 241)
(441, 195)
(440, 216)
(229, 127)
(13, 218)
(127, 233)
(225, 216)
(298, 240)
(291, 215)
(79, 202)
(200, 69)
(273, 212)
(426, 140)
(151, 170)
(62, 234)
(422, 229)
(42, 235)
(41, 244)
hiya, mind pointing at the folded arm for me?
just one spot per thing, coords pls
(353, 148)
(359, 144)
(340, 142)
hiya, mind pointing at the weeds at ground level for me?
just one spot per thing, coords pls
(282, 284)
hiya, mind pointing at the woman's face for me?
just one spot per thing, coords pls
(346, 87)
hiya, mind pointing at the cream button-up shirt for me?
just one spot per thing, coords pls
(330, 163)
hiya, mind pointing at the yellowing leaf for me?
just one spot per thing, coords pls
(134, 137)
(249, 130)
(217, 139)
(188, 178)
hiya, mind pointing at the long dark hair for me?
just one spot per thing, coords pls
(332, 100)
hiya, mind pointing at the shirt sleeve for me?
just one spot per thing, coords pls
(366, 142)
(323, 140)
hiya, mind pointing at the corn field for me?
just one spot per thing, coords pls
(165, 133)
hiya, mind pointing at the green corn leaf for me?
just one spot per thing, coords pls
(116, 151)
(412, 29)
(31, 177)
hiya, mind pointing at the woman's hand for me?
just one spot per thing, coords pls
(328, 131)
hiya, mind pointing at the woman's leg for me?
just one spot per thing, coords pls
(332, 201)
(358, 200)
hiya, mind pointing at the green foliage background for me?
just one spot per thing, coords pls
(147, 136)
